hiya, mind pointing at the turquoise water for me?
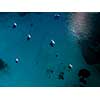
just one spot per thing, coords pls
(36, 55)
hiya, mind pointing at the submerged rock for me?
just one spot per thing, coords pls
(90, 52)
(91, 46)
(84, 73)
(97, 66)
(17, 60)
(3, 65)
(29, 36)
(14, 25)
(56, 16)
(70, 66)
(82, 80)
(52, 43)
(61, 76)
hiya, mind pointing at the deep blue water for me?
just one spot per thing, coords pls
(36, 55)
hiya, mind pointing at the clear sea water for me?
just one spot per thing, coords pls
(36, 55)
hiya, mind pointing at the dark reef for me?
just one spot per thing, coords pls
(3, 65)
(91, 46)
(82, 80)
(61, 76)
(83, 74)
(90, 51)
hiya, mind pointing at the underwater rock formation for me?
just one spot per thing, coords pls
(61, 76)
(52, 43)
(90, 50)
(87, 29)
(83, 74)
(56, 16)
(91, 46)
(14, 25)
(3, 65)
(82, 80)
(97, 66)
